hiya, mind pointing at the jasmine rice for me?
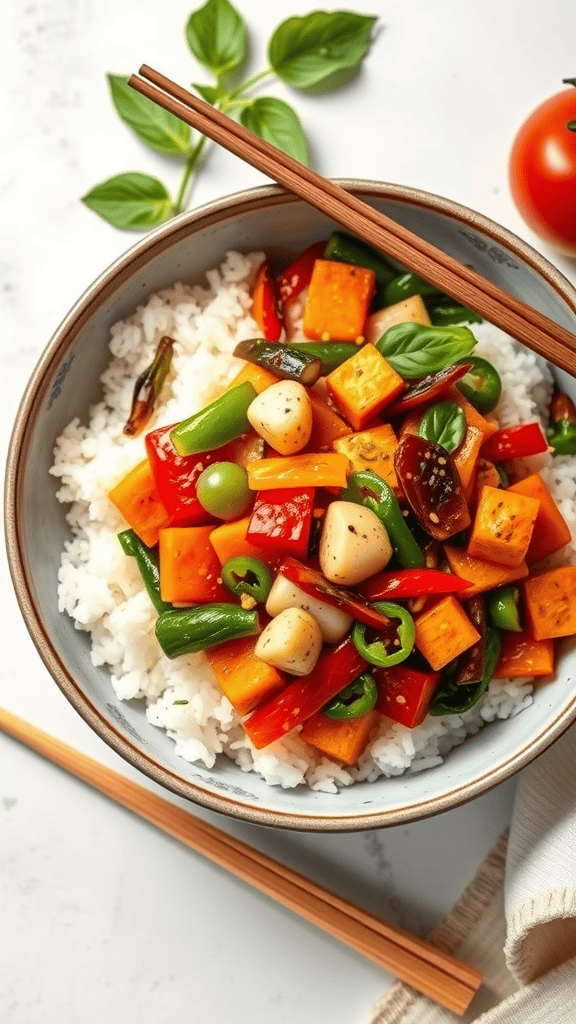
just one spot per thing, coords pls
(101, 589)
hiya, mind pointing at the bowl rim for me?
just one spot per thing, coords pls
(122, 268)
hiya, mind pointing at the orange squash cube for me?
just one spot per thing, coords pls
(363, 385)
(521, 655)
(327, 425)
(551, 532)
(136, 497)
(339, 297)
(189, 568)
(371, 449)
(473, 417)
(443, 632)
(481, 574)
(245, 679)
(229, 540)
(503, 526)
(466, 459)
(343, 739)
(257, 376)
(550, 602)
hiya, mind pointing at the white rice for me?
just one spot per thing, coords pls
(101, 588)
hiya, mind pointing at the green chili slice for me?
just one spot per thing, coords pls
(368, 489)
(221, 421)
(354, 700)
(376, 651)
(504, 608)
(147, 562)
(283, 360)
(245, 575)
(187, 630)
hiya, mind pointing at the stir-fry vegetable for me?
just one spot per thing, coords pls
(362, 495)
(148, 386)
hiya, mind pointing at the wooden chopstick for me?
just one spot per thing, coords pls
(427, 969)
(528, 325)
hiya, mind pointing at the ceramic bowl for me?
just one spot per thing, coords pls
(62, 387)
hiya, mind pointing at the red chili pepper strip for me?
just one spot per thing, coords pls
(515, 443)
(266, 304)
(428, 387)
(314, 583)
(412, 583)
(404, 694)
(176, 477)
(336, 668)
(296, 277)
(282, 519)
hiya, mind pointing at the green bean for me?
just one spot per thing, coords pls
(221, 421)
(283, 360)
(405, 286)
(187, 630)
(331, 353)
(147, 562)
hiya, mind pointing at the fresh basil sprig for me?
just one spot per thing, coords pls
(303, 52)
(445, 424)
(415, 350)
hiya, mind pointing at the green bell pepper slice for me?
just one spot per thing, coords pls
(504, 608)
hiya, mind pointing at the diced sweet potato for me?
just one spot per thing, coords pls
(343, 739)
(255, 375)
(230, 540)
(521, 655)
(189, 568)
(443, 632)
(550, 602)
(363, 385)
(481, 574)
(245, 679)
(136, 497)
(372, 449)
(339, 297)
(503, 526)
(327, 426)
(410, 310)
(551, 532)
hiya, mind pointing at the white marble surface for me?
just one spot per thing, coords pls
(101, 916)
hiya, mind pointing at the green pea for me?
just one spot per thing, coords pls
(481, 385)
(223, 491)
(354, 700)
(375, 651)
(246, 575)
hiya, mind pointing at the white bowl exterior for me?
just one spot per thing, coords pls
(63, 386)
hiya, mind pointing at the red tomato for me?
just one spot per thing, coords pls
(542, 172)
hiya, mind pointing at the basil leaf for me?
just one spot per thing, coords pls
(210, 93)
(415, 350)
(276, 122)
(131, 201)
(444, 423)
(305, 51)
(216, 34)
(451, 699)
(154, 126)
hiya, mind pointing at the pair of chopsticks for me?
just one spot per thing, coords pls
(521, 321)
(427, 969)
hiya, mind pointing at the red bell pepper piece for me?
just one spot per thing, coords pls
(266, 304)
(428, 387)
(336, 668)
(406, 583)
(282, 519)
(296, 277)
(515, 443)
(314, 583)
(176, 477)
(404, 694)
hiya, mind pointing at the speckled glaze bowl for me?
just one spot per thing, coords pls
(62, 387)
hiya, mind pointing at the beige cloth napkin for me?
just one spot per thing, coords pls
(516, 921)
